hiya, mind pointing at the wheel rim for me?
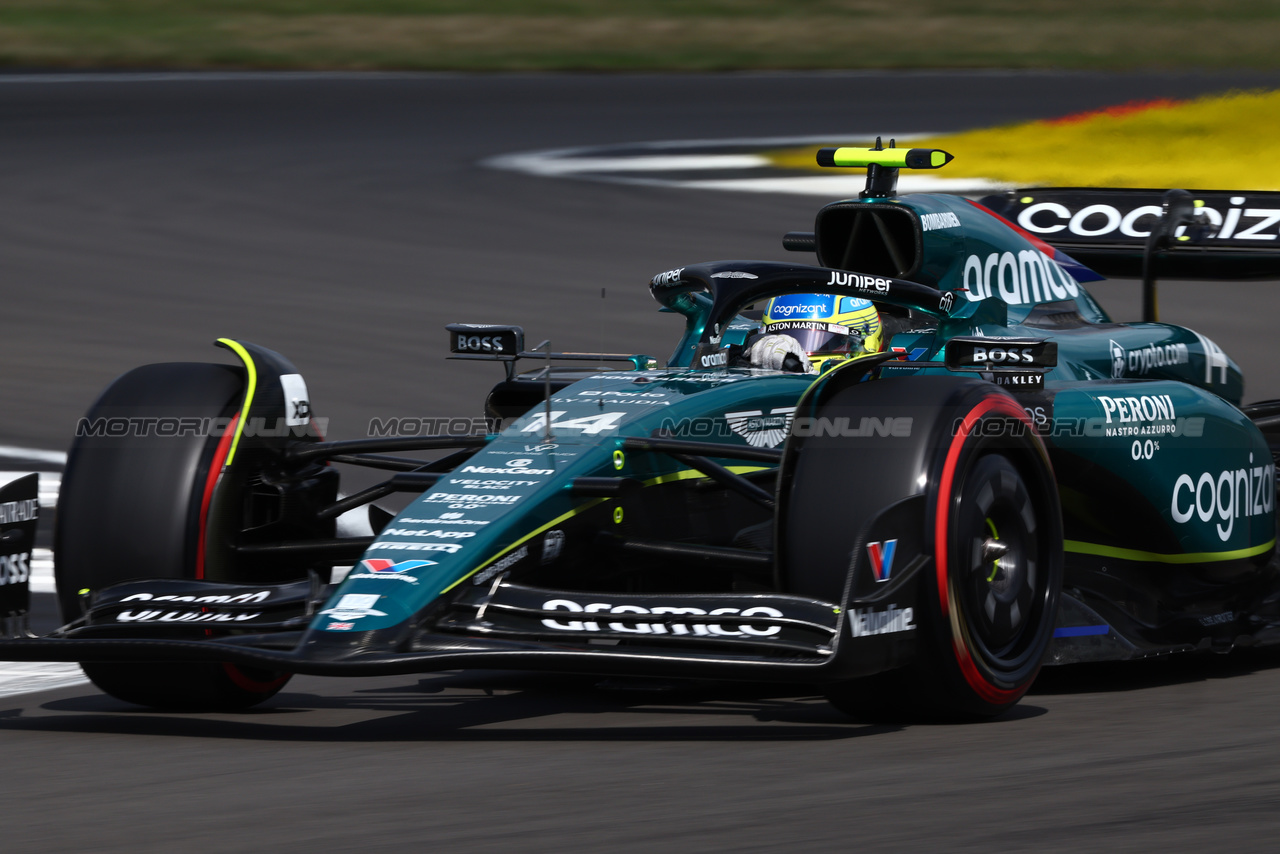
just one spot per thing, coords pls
(999, 573)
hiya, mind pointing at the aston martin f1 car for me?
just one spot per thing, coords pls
(1016, 479)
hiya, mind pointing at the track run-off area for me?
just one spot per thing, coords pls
(342, 220)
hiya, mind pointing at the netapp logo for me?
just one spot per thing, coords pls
(1028, 277)
(414, 532)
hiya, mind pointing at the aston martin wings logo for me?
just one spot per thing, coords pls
(1117, 360)
(760, 430)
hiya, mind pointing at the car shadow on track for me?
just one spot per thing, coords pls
(1180, 669)
(488, 706)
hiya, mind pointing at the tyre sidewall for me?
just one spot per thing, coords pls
(987, 424)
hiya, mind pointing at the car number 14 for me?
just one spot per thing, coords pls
(590, 425)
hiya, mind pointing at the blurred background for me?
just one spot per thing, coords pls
(313, 175)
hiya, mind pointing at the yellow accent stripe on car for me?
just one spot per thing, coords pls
(692, 474)
(234, 346)
(526, 538)
(1079, 547)
(687, 474)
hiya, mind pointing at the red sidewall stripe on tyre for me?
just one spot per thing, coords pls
(242, 681)
(981, 686)
(237, 676)
(215, 471)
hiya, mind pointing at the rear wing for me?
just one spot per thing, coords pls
(1219, 234)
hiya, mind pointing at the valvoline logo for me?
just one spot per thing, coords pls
(881, 555)
(383, 565)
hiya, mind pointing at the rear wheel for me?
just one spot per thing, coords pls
(134, 504)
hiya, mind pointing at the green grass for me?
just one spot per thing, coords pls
(626, 35)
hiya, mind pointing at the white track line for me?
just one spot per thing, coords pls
(26, 677)
(538, 164)
(844, 186)
(50, 482)
(596, 164)
(57, 458)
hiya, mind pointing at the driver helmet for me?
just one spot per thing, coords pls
(830, 328)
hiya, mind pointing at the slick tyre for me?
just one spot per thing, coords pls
(134, 504)
(968, 488)
(989, 611)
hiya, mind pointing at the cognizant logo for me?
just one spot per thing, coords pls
(1226, 496)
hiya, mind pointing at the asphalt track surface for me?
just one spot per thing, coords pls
(342, 221)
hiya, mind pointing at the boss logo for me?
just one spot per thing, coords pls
(485, 339)
(479, 344)
(1002, 354)
(1010, 355)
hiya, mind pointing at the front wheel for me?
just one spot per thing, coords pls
(969, 489)
(992, 604)
(135, 505)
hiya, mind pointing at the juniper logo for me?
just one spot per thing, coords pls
(760, 430)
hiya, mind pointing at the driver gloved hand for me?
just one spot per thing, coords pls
(778, 353)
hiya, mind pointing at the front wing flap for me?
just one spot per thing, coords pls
(750, 636)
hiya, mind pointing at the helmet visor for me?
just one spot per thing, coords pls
(815, 336)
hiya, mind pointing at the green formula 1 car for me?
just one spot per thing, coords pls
(1016, 479)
